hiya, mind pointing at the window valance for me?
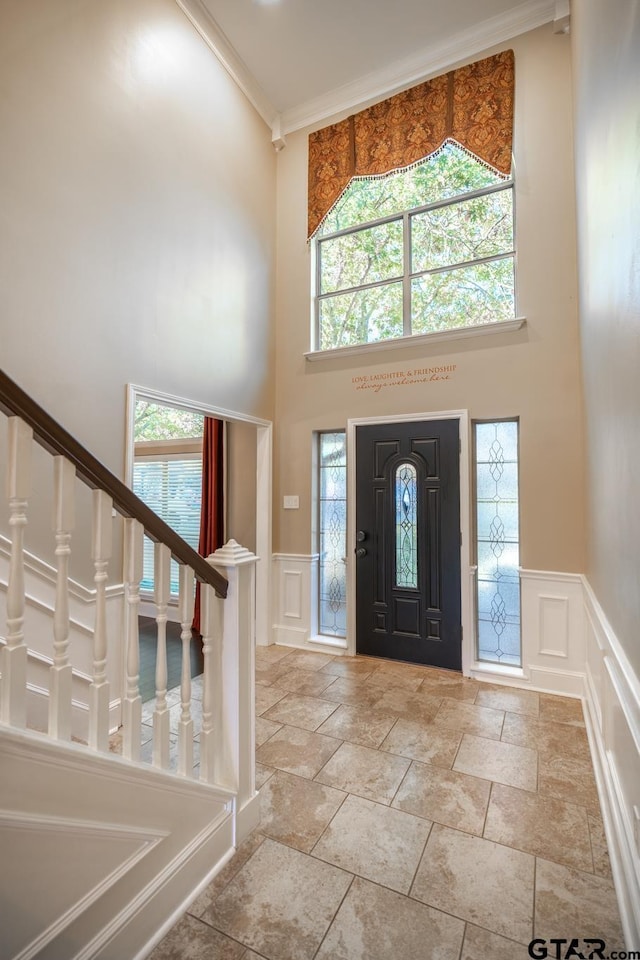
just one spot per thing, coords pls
(472, 105)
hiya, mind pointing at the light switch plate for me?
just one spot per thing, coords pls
(291, 503)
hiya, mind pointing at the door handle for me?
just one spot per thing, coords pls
(361, 552)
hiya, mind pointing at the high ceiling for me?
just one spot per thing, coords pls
(299, 61)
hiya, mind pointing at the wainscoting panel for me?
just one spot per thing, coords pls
(613, 721)
(295, 604)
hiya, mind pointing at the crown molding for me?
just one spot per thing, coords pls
(237, 69)
(431, 61)
(374, 86)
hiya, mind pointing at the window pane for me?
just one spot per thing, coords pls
(406, 526)
(173, 490)
(363, 316)
(468, 230)
(466, 297)
(363, 257)
(333, 533)
(449, 172)
(498, 549)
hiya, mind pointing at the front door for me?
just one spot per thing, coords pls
(408, 542)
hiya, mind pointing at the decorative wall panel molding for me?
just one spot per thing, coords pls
(613, 723)
(295, 603)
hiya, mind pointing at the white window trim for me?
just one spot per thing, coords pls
(418, 340)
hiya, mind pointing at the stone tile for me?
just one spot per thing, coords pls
(561, 710)
(367, 773)
(425, 742)
(410, 705)
(482, 721)
(479, 881)
(307, 682)
(265, 729)
(374, 923)
(297, 751)
(499, 761)
(578, 903)
(375, 842)
(549, 739)
(307, 660)
(569, 778)
(349, 667)
(543, 826)
(599, 849)
(453, 687)
(402, 670)
(450, 798)
(352, 691)
(213, 890)
(268, 672)
(394, 681)
(281, 903)
(514, 700)
(480, 944)
(267, 696)
(358, 725)
(191, 939)
(296, 811)
(262, 774)
(305, 712)
(173, 697)
(272, 653)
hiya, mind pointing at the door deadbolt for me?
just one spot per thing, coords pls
(361, 536)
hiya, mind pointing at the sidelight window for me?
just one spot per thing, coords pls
(332, 581)
(497, 541)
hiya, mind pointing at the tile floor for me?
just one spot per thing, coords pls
(407, 814)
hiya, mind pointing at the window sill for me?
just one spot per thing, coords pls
(418, 340)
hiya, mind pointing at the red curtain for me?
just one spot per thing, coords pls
(212, 510)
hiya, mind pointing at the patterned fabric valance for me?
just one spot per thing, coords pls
(472, 105)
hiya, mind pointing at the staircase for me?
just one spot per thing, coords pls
(102, 851)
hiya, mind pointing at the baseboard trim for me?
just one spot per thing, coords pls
(247, 818)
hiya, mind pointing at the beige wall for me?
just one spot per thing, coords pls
(138, 210)
(533, 374)
(136, 219)
(241, 483)
(606, 39)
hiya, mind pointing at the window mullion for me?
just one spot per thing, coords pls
(406, 277)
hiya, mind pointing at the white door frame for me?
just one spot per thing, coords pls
(466, 597)
(264, 447)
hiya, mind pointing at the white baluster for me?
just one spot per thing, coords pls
(13, 704)
(212, 679)
(132, 703)
(99, 689)
(162, 582)
(61, 673)
(185, 725)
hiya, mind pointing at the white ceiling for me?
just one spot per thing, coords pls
(300, 61)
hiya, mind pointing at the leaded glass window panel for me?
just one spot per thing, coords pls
(406, 511)
(333, 534)
(498, 544)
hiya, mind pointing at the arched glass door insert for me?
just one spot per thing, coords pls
(406, 485)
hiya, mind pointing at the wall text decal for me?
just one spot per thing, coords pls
(403, 378)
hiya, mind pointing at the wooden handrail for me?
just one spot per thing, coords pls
(54, 438)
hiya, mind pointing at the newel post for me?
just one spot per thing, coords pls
(234, 688)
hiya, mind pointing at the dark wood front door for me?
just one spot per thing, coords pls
(408, 542)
